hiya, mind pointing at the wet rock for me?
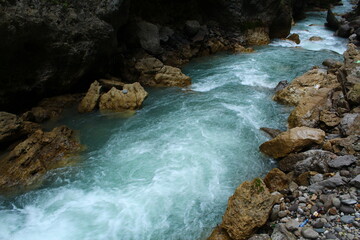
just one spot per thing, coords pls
(356, 181)
(350, 124)
(309, 233)
(342, 161)
(116, 100)
(292, 140)
(276, 180)
(253, 200)
(332, 64)
(281, 85)
(315, 38)
(32, 158)
(171, 76)
(280, 233)
(294, 37)
(192, 27)
(332, 21)
(257, 36)
(311, 160)
(149, 37)
(219, 234)
(91, 99)
(271, 131)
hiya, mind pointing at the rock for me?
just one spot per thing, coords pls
(294, 37)
(32, 158)
(344, 31)
(275, 212)
(315, 38)
(11, 128)
(171, 76)
(356, 181)
(332, 64)
(257, 36)
(166, 33)
(303, 179)
(276, 180)
(107, 84)
(292, 140)
(316, 178)
(331, 119)
(350, 124)
(319, 230)
(90, 101)
(347, 209)
(349, 201)
(293, 187)
(318, 224)
(311, 160)
(282, 214)
(348, 145)
(354, 94)
(309, 233)
(241, 49)
(149, 37)
(219, 234)
(271, 131)
(336, 202)
(307, 84)
(192, 27)
(292, 225)
(332, 21)
(333, 211)
(116, 100)
(330, 236)
(342, 161)
(281, 85)
(148, 65)
(333, 182)
(253, 200)
(347, 219)
(260, 237)
(281, 233)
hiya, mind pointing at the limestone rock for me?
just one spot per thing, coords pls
(148, 65)
(342, 161)
(171, 76)
(332, 64)
(32, 158)
(91, 99)
(291, 141)
(219, 234)
(331, 119)
(348, 145)
(130, 98)
(10, 127)
(315, 38)
(354, 94)
(350, 124)
(247, 209)
(107, 84)
(276, 180)
(271, 131)
(257, 36)
(294, 37)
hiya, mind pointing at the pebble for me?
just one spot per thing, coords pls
(302, 199)
(293, 207)
(338, 229)
(319, 230)
(282, 214)
(309, 233)
(124, 91)
(330, 236)
(347, 209)
(349, 201)
(336, 202)
(318, 224)
(333, 211)
(347, 219)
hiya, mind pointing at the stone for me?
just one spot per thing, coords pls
(281, 233)
(332, 21)
(149, 37)
(91, 99)
(253, 200)
(330, 236)
(309, 233)
(107, 84)
(336, 202)
(282, 214)
(10, 128)
(116, 100)
(316, 38)
(292, 140)
(171, 76)
(347, 209)
(294, 37)
(293, 207)
(292, 225)
(281, 85)
(356, 181)
(311, 160)
(354, 94)
(276, 180)
(165, 34)
(219, 234)
(333, 211)
(275, 212)
(260, 237)
(350, 124)
(343, 146)
(348, 201)
(271, 131)
(293, 186)
(344, 31)
(347, 219)
(192, 27)
(315, 179)
(330, 118)
(318, 224)
(257, 36)
(27, 163)
(331, 63)
(342, 161)
(148, 65)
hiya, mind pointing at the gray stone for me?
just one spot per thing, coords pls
(260, 237)
(281, 233)
(149, 37)
(293, 207)
(350, 124)
(302, 199)
(338, 229)
(347, 219)
(318, 224)
(349, 201)
(350, 236)
(274, 213)
(347, 209)
(282, 214)
(333, 182)
(336, 202)
(330, 236)
(281, 85)
(356, 181)
(316, 178)
(293, 186)
(342, 161)
(319, 230)
(309, 233)
(292, 225)
(344, 173)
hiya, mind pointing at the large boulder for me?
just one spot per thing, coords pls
(91, 99)
(32, 158)
(291, 141)
(130, 98)
(247, 210)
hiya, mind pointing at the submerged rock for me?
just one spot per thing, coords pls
(294, 37)
(32, 158)
(248, 209)
(90, 101)
(130, 98)
(291, 141)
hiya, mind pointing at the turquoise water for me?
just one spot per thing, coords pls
(166, 172)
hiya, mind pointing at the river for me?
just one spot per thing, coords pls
(167, 172)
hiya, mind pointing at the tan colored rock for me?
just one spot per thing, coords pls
(107, 84)
(247, 210)
(215, 45)
(294, 37)
(171, 76)
(305, 85)
(330, 118)
(316, 38)
(304, 178)
(32, 158)
(276, 180)
(291, 141)
(257, 36)
(343, 146)
(219, 234)
(354, 94)
(91, 99)
(241, 49)
(148, 65)
(130, 98)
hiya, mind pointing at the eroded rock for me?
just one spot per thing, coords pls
(276, 180)
(91, 99)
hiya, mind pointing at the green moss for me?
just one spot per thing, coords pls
(258, 185)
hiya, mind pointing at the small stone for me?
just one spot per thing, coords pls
(292, 225)
(344, 173)
(330, 236)
(293, 207)
(347, 209)
(338, 229)
(319, 230)
(349, 201)
(125, 91)
(333, 211)
(350, 236)
(274, 213)
(347, 219)
(302, 199)
(356, 181)
(309, 233)
(342, 161)
(336, 202)
(318, 224)
(293, 186)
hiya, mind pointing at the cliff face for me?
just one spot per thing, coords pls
(52, 47)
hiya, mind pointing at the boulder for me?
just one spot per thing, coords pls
(291, 141)
(130, 98)
(315, 38)
(348, 145)
(329, 118)
(276, 180)
(342, 161)
(192, 27)
(257, 36)
(247, 210)
(281, 85)
(350, 124)
(311, 160)
(344, 31)
(107, 84)
(294, 37)
(332, 21)
(271, 131)
(148, 65)
(171, 76)
(305, 85)
(32, 158)
(91, 99)
(149, 37)
(166, 33)
(332, 64)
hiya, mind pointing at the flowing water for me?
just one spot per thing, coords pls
(167, 172)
